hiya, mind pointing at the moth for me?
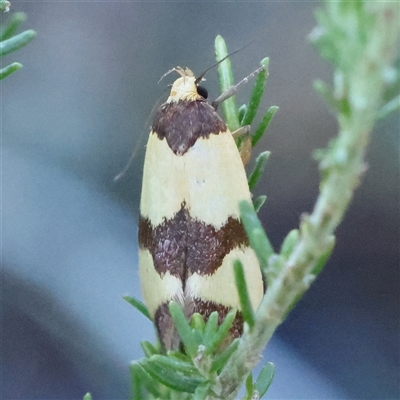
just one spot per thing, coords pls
(190, 231)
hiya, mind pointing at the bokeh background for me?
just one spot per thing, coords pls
(69, 122)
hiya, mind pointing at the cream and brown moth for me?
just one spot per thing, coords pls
(190, 231)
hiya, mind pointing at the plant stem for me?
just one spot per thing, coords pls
(358, 90)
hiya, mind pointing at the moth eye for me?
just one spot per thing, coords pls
(202, 91)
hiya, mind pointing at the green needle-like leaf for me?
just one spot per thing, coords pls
(226, 81)
(256, 234)
(265, 378)
(261, 161)
(173, 373)
(324, 258)
(258, 202)
(16, 42)
(139, 305)
(4, 5)
(87, 396)
(244, 298)
(184, 330)
(202, 391)
(391, 106)
(222, 333)
(249, 387)
(197, 322)
(148, 349)
(241, 113)
(257, 93)
(141, 382)
(10, 27)
(221, 359)
(211, 327)
(326, 93)
(9, 69)
(290, 242)
(261, 129)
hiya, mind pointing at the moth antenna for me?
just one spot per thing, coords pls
(200, 78)
(138, 143)
(181, 71)
(127, 166)
(167, 73)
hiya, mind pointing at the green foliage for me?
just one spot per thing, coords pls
(244, 297)
(139, 305)
(360, 40)
(257, 236)
(10, 41)
(259, 168)
(236, 118)
(194, 371)
(4, 6)
(226, 81)
(257, 389)
(256, 95)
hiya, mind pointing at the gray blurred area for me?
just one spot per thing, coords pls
(70, 120)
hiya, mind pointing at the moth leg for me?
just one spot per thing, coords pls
(233, 90)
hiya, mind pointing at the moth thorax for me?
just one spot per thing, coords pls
(184, 88)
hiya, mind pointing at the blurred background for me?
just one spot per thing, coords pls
(70, 120)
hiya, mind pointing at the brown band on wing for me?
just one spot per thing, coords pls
(165, 328)
(183, 245)
(205, 308)
(208, 246)
(182, 123)
(166, 243)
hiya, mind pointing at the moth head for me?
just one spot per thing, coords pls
(186, 87)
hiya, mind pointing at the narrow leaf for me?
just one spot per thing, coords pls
(265, 378)
(211, 326)
(226, 81)
(324, 258)
(241, 113)
(257, 237)
(257, 93)
(184, 329)
(326, 93)
(16, 42)
(202, 391)
(11, 25)
(290, 242)
(258, 202)
(148, 349)
(244, 298)
(391, 106)
(197, 322)
(141, 382)
(174, 364)
(220, 360)
(9, 69)
(249, 387)
(87, 396)
(139, 305)
(223, 331)
(261, 129)
(259, 168)
(166, 371)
